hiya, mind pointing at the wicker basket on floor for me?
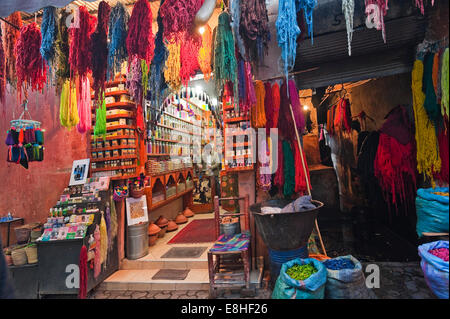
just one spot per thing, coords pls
(19, 257)
(32, 254)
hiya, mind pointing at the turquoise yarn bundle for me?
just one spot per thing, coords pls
(308, 7)
(118, 31)
(289, 170)
(287, 33)
(48, 30)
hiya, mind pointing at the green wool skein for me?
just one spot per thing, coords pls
(289, 170)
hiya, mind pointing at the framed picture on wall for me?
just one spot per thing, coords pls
(136, 210)
(80, 170)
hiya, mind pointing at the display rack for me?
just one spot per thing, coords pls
(116, 156)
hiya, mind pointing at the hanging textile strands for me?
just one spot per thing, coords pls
(254, 29)
(242, 87)
(421, 6)
(2, 72)
(287, 33)
(84, 107)
(394, 169)
(250, 89)
(445, 84)
(189, 57)
(62, 52)
(68, 112)
(100, 121)
(278, 179)
(83, 267)
(296, 107)
(289, 170)
(269, 108)
(144, 80)
(134, 80)
(276, 104)
(80, 49)
(99, 50)
(204, 54)
(300, 178)
(343, 117)
(443, 175)
(97, 249)
(103, 241)
(264, 180)
(428, 160)
(348, 8)
(11, 36)
(29, 63)
(178, 16)
(435, 76)
(225, 64)
(140, 39)
(380, 13)
(287, 129)
(308, 7)
(235, 6)
(258, 112)
(430, 104)
(49, 30)
(173, 65)
(117, 34)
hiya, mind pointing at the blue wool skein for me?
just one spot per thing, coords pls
(308, 8)
(118, 31)
(338, 264)
(48, 28)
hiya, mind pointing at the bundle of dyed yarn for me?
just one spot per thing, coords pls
(440, 253)
(339, 264)
(301, 272)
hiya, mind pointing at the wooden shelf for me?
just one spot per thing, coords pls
(118, 137)
(183, 120)
(170, 141)
(151, 155)
(120, 116)
(115, 93)
(237, 119)
(112, 148)
(115, 178)
(178, 130)
(112, 168)
(118, 127)
(120, 104)
(170, 199)
(105, 159)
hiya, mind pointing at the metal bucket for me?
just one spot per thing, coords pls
(137, 241)
(230, 229)
(285, 231)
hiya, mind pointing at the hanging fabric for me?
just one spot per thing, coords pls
(134, 79)
(443, 141)
(225, 64)
(84, 107)
(278, 179)
(308, 7)
(62, 52)
(48, 30)
(204, 54)
(254, 29)
(430, 103)
(173, 65)
(117, 34)
(343, 116)
(382, 7)
(297, 109)
(2, 73)
(235, 9)
(289, 170)
(83, 267)
(348, 8)
(144, 80)
(99, 50)
(103, 241)
(276, 104)
(420, 5)
(97, 252)
(100, 121)
(264, 180)
(68, 112)
(269, 108)
(30, 67)
(140, 40)
(445, 84)
(286, 129)
(287, 33)
(250, 89)
(300, 178)
(11, 36)
(428, 160)
(80, 50)
(189, 49)
(258, 112)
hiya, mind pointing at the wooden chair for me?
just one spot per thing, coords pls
(229, 258)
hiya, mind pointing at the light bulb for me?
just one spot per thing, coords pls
(305, 107)
(201, 30)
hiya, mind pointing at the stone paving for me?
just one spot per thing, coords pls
(398, 280)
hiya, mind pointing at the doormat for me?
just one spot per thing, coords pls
(184, 252)
(171, 274)
(197, 231)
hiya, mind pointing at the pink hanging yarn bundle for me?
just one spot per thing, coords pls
(84, 107)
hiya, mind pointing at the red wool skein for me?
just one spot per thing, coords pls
(140, 39)
(30, 66)
(189, 57)
(2, 71)
(79, 50)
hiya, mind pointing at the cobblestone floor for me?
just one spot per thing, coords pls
(397, 281)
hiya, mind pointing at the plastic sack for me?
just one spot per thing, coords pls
(435, 269)
(346, 283)
(432, 211)
(310, 288)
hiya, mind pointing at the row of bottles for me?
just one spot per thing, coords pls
(158, 147)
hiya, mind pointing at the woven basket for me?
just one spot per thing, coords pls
(9, 261)
(19, 257)
(137, 193)
(35, 234)
(32, 254)
(22, 234)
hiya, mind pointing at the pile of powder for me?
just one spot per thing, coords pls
(440, 253)
(301, 272)
(339, 264)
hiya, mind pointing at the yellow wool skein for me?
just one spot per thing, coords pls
(173, 66)
(103, 241)
(68, 110)
(428, 159)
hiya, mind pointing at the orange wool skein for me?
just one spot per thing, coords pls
(260, 113)
(204, 54)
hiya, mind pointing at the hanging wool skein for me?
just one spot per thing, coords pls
(49, 30)
(430, 103)
(445, 84)
(68, 112)
(300, 178)
(100, 121)
(250, 89)
(189, 57)
(97, 256)
(103, 241)
(420, 5)
(287, 33)
(84, 107)
(134, 80)
(29, 63)
(254, 28)
(235, 7)
(62, 52)
(308, 7)
(80, 50)
(259, 111)
(263, 179)
(11, 36)
(140, 39)
(99, 50)
(225, 64)
(173, 65)
(348, 8)
(428, 160)
(380, 12)
(289, 170)
(296, 107)
(276, 104)
(2, 72)
(82, 266)
(278, 179)
(117, 34)
(178, 16)
(204, 54)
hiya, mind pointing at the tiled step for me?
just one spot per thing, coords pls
(141, 280)
(145, 263)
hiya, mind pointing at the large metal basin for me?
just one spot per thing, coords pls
(285, 231)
